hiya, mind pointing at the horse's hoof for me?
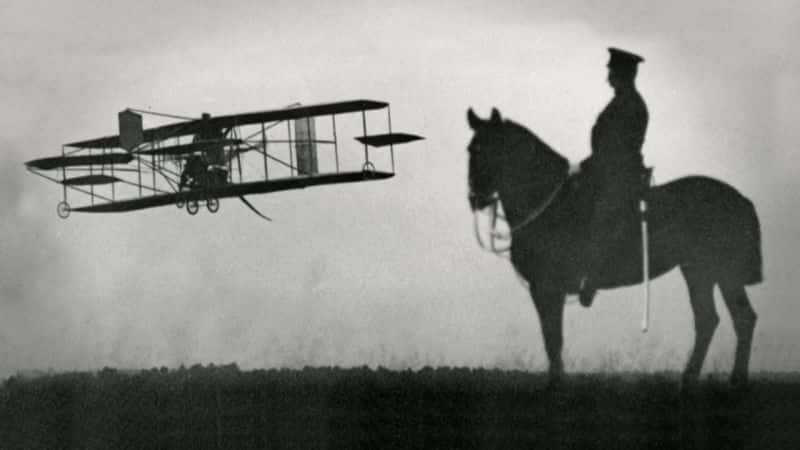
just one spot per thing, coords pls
(689, 386)
(739, 383)
(555, 382)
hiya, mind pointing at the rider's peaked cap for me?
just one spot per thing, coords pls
(621, 59)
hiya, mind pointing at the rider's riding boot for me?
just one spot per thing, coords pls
(587, 288)
(605, 237)
(587, 292)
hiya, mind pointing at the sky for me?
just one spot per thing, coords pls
(385, 273)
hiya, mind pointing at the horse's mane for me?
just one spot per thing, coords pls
(536, 143)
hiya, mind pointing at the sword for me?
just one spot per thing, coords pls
(645, 267)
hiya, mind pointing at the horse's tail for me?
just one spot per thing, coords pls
(742, 245)
(752, 264)
(727, 230)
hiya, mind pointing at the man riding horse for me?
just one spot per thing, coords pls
(614, 170)
(703, 226)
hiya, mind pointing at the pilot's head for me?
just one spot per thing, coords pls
(622, 67)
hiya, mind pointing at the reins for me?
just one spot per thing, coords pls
(495, 215)
(496, 205)
(496, 235)
(538, 211)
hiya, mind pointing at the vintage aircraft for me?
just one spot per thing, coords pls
(200, 161)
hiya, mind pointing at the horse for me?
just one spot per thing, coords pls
(703, 226)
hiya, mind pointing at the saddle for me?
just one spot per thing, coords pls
(583, 189)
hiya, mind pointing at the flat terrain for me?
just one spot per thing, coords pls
(225, 408)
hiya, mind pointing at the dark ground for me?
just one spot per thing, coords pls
(222, 407)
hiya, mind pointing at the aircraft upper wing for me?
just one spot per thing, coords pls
(188, 148)
(193, 126)
(58, 162)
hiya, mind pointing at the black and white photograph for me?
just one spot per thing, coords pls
(375, 224)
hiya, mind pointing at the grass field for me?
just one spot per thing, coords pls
(223, 407)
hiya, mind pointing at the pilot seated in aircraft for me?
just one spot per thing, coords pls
(213, 153)
(208, 168)
(193, 173)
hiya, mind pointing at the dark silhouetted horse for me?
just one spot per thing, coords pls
(699, 224)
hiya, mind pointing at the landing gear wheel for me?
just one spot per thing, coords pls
(63, 210)
(180, 201)
(368, 169)
(192, 206)
(212, 203)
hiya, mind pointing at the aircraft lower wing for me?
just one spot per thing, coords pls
(237, 190)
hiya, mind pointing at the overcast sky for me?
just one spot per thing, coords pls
(384, 273)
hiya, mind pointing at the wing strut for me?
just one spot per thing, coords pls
(253, 208)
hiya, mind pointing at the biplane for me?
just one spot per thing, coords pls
(198, 161)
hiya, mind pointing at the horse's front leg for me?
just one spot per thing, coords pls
(550, 306)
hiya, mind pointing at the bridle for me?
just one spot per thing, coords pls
(495, 214)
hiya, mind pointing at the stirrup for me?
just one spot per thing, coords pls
(647, 176)
(586, 293)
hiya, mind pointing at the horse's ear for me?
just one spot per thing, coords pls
(495, 118)
(475, 122)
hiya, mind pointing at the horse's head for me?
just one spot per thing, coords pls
(505, 157)
(486, 152)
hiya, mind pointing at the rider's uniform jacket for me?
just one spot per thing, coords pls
(615, 168)
(618, 133)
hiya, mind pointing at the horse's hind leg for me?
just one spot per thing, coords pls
(744, 322)
(701, 295)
